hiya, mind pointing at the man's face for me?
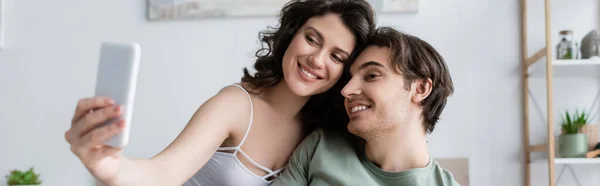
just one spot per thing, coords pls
(376, 99)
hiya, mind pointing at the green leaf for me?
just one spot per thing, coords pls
(569, 119)
(17, 177)
(572, 122)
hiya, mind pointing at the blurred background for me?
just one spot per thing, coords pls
(50, 52)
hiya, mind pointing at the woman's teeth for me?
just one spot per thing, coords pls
(308, 74)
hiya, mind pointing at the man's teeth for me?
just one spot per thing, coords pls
(308, 74)
(359, 108)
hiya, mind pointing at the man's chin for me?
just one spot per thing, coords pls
(368, 130)
(357, 128)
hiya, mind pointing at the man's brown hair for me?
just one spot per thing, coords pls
(416, 59)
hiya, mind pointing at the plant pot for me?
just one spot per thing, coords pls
(572, 145)
(592, 133)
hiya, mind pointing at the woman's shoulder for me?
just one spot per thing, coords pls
(236, 92)
(231, 101)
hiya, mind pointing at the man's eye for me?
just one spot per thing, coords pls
(370, 76)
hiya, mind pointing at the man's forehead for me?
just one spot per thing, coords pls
(354, 67)
(356, 64)
(371, 54)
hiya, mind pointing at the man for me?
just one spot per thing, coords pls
(398, 89)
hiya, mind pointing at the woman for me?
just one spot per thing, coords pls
(245, 133)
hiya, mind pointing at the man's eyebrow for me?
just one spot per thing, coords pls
(368, 64)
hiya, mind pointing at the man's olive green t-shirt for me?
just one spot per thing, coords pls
(327, 158)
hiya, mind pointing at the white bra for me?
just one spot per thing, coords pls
(226, 169)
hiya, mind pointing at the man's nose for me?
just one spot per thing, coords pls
(352, 88)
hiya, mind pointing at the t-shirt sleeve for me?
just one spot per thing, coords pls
(449, 179)
(296, 171)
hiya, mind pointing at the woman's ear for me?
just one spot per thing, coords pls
(422, 90)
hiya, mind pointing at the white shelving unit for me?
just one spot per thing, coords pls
(567, 68)
(559, 68)
(570, 161)
(568, 165)
(548, 69)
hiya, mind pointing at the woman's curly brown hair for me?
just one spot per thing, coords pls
(322, 110)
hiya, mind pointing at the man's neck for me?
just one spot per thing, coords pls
(399, 150)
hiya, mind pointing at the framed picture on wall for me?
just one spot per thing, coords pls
(198, 9)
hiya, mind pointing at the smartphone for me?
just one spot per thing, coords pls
(117, 78)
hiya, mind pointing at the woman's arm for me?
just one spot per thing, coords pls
(211, 124)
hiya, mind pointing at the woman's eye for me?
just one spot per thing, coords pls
(337, 58)
(311, 40)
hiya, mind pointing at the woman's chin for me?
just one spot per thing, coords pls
(301, 89)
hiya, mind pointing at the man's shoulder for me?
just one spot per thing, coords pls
(329, 136)
(444, 177)
(325, 143)
(337, 139)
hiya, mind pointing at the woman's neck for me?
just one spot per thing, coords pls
(281, 99)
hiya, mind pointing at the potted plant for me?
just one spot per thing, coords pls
(571, 142)
(23, 178)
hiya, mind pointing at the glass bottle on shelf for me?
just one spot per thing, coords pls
(567, 48)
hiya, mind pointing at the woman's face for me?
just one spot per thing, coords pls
(314, 60)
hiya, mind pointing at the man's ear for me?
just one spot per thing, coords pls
(422, 89)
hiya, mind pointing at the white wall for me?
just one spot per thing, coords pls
(52, 49)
